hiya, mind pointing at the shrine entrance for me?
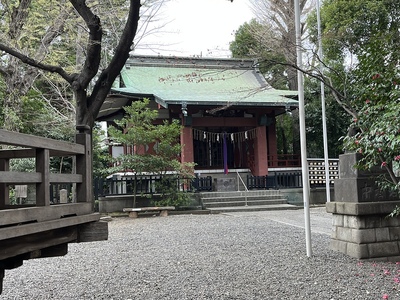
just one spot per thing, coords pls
(223, 147)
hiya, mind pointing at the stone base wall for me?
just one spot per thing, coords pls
(225, 184)
(363, 230)
(295, 196)
(354, 236)
(111, 204)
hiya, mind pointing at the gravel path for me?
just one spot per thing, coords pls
(226, 256)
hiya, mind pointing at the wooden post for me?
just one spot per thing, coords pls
(1, 280)
(84, 167)
(4, 193)
(187, 143)
(272, 144)
(260, 152)
(43, 167)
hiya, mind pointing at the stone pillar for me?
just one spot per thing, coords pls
(361, 226)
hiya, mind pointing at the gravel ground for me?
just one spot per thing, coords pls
(226, 256)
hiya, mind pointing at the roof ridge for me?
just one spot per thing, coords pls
(190, 62)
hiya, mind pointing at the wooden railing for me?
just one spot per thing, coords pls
(41, 149)
(284, 161)
(40, 227)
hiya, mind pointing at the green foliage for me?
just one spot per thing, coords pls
(171, 193)
(285, 133)
(13, 199)
(349, 25)
(155, 148)
(394, 213)
(250, 42)
(34, 25)
(101, 157)
(336, 121)
(36, 30)
(246, 43)
(39, 117)
(377, 100)
(50, 32)
(22, 165)
(361, 51)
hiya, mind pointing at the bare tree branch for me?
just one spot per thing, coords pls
(34, 63)
(339, 97)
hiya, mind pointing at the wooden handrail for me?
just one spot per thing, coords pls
(35, 177)
(32, 141)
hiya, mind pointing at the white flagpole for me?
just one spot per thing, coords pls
(303, 147)
(324, 130)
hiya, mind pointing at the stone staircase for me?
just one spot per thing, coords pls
(241, 201)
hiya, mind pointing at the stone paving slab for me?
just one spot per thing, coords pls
(320, 220)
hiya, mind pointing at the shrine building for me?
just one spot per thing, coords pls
(227, 109)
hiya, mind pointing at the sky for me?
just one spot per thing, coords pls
(196, 28)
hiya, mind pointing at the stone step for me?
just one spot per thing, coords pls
(242, 198)
(232, 209)
(240, 193)
(248, 200)
(243, 202)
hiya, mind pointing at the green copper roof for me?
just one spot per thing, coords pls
(200, 81)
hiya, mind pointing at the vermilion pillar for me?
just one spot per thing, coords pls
(272, 142)
(260, 152)
(187, 143)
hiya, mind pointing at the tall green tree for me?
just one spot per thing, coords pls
(336, 121)
(271, 39)
(377, 104)
(278, 35)
(254, 40)
(362, 44)
(348, 29)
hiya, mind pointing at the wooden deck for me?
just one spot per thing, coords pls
(40, 228)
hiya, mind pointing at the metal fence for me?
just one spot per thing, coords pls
(148, 184)
(275, 181)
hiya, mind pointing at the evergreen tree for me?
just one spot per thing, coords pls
(155, 149)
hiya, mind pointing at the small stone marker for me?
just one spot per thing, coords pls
(63, 196)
